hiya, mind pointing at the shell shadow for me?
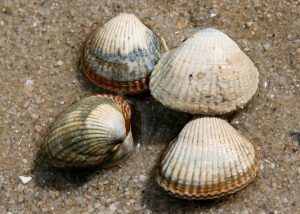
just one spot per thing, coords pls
(48, 177)
(152, 123)
(67, 179)
(157, 200)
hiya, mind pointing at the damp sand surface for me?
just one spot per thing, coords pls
(40, 43)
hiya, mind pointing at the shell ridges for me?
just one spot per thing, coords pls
(90, 133)
(120, 55)
(207, 74)
(208, 159)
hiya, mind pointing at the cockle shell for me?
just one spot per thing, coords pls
(207, 74)
(94, 132)
(121, 55)
(208, 159)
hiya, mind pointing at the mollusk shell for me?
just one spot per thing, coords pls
(121, 55)
(94, 132)
(207, 74)
(209, 159)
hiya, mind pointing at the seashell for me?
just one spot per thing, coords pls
(207, 74)
(94, 132)
(208, 159)
(121, 54)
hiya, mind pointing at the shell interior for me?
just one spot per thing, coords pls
(209, 159)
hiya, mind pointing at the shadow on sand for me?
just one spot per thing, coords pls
(157, 200)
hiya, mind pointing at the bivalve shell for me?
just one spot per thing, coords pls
(94, 132)
(209, 159)
(207, 74)
(121, 55)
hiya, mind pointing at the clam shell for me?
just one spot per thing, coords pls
(121, 54)
(207, 74)
(209, 159)
(93, 132)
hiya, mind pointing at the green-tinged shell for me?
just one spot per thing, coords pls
(208, 159)
(94, 132)
(120, 55)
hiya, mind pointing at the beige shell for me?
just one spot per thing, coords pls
(207, 74)
(121, 55)
(94, 132)
(209, 159)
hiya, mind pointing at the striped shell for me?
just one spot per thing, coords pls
(207, 74)
(94, 132)
(209, 159)
(121, 54)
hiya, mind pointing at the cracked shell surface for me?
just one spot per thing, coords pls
(208, 159)
(207, 74)
(94, 132)
(120, 55)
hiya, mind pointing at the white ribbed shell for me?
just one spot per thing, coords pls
(90, 133)
(207, 74)
(121, 54)
(208, 159)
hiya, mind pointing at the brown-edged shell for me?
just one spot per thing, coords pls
(208, 159)
(120, 55)
(207, 74)
(94, 132)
